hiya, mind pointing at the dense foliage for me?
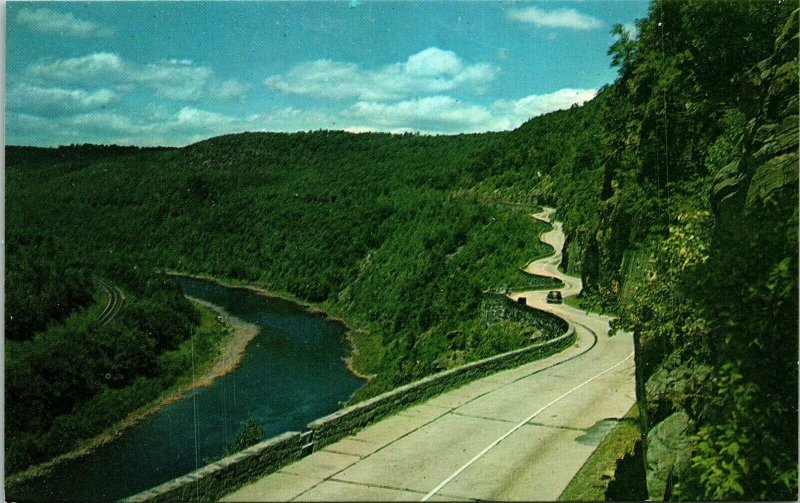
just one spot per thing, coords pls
(41, 286)
(76, 377)
(251, 433)
(683, 219)
(381, 229)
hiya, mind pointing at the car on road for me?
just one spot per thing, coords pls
(554, 297)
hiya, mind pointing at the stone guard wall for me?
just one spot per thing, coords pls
(212, 482)
(347, 421)
(496, 308)
(556, 282)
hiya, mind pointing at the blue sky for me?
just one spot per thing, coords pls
(172, 73)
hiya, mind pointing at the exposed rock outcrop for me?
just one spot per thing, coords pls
(669, 453)
(769, 164)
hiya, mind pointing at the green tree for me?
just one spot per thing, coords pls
(252, 432)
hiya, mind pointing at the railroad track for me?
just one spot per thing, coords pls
(115, 301)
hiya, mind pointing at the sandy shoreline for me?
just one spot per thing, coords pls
(231, 353)
(259, 290)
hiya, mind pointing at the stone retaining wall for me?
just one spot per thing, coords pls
(556, 282)
(496, 308)
(212, 482)
(347, 421)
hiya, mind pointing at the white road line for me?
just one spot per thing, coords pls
(515, 428)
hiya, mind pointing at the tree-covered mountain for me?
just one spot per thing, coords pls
(384, 231)
(677, 185)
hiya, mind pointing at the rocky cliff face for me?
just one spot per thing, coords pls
(754, 258)
(681, 209)
(766, 175)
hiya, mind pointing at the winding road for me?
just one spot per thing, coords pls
(115, 301)
(520, 434)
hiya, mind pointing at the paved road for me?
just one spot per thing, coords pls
(115, 301)
(520, 434)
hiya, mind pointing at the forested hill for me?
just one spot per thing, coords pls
(387, 232)
(677, 185)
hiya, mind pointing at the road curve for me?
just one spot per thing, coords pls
(520, 434)
(115, 301)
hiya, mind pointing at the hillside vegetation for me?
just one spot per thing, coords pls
(677, 185)
(678, 189)
(697, 243)
(381, 230)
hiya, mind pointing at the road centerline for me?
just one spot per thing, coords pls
(517, 427)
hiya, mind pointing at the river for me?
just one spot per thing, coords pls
(291, 374)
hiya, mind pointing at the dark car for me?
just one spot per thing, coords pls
(554, 297)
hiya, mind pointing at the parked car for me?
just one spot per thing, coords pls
(554, 297)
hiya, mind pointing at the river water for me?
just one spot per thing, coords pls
(291, 374)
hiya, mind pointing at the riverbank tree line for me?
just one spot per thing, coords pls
(68, 377)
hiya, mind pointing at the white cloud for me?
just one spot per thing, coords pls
(443, 114)
(203, 119)
(100, 122)
(432, 70)
(433, 62)
(559, 18)
(63, 23)
(56, 100)
(232, 89)
(100, 66)
(430, 113)
(174, 79)
(518, 111)
(156, 126)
